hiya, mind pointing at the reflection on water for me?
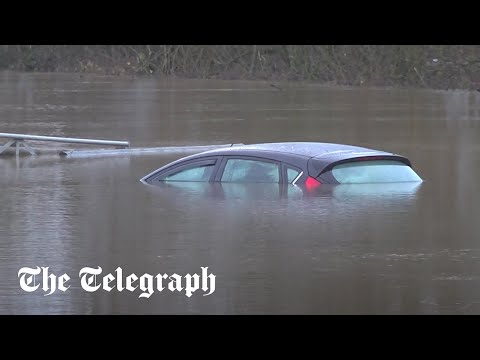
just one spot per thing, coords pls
(226, 191)
(367, 248)
(268, 191)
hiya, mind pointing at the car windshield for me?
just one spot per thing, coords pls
(376, 171)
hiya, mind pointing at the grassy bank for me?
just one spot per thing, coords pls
(426, 66)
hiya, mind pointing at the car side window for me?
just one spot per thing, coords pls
(292, 175)
(194, 173)
(243, 170)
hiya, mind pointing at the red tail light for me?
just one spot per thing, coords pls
(312, 183)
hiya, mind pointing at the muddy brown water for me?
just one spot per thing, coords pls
(356, 249)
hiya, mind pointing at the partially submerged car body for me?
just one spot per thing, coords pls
(308, 163)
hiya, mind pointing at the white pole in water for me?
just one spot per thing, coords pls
(18, 139)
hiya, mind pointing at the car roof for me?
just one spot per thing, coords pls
(306, 149)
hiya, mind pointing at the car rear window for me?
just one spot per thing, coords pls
(374, 171)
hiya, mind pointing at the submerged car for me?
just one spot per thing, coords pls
(298, 163)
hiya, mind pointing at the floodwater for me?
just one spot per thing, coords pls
(349, 249)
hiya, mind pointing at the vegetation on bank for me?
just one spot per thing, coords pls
(427, 66)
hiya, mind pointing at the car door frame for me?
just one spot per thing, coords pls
(217, 160)
(223, 163)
